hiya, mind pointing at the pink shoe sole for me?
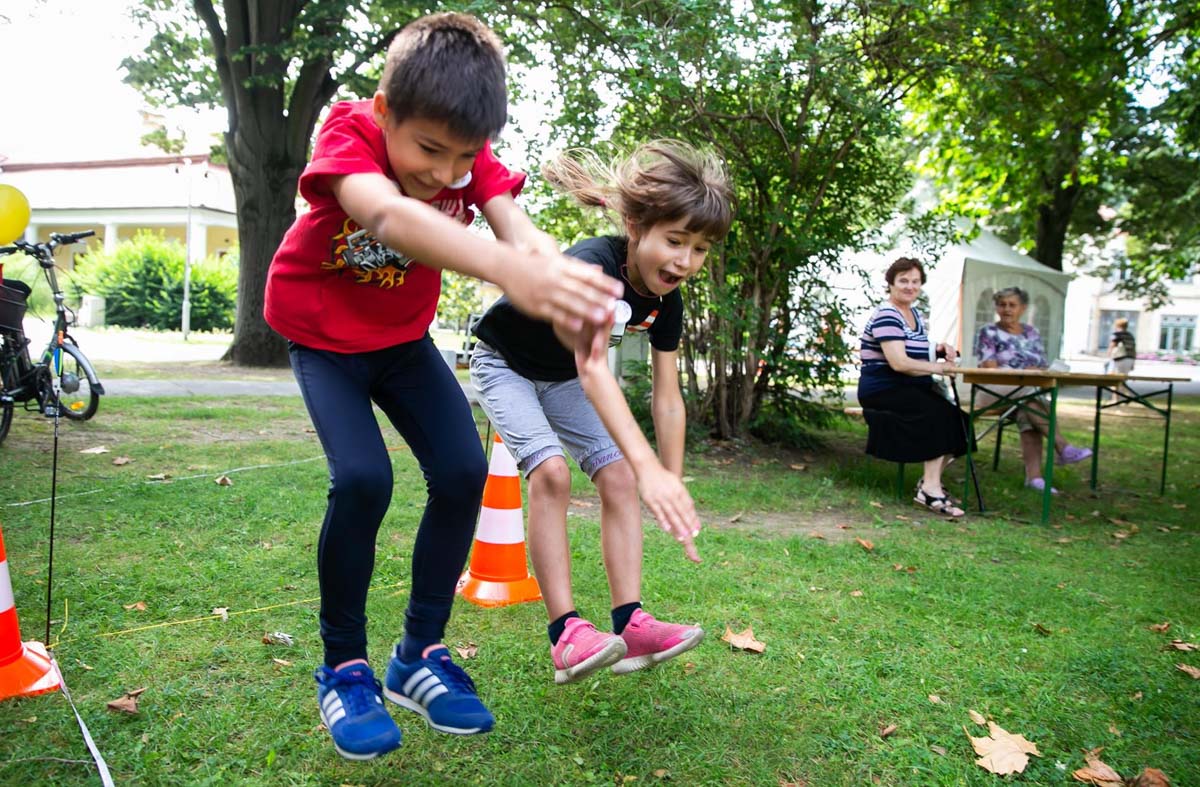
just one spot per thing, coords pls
(612, 652)
(691, 639)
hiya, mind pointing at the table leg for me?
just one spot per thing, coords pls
(1049, 474)
(1096, 436)
(970, 459)
(1162, 487)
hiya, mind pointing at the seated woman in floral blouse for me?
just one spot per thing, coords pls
(1011, 344)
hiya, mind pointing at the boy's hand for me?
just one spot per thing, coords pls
(557, 289)
(668, 500)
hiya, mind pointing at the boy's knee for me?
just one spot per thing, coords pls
(616, 483)
(551, 478)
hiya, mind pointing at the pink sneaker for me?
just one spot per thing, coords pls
(650, 641)
(581, 650)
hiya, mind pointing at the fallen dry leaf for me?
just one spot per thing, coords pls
(582, 503)
(886, 731)
(976, 717)
(902, 518)
(875, 504)
(744, 640)
(467, 651)
(1179, 506)
(1179, 644)
(1137, 695)
(121, 460)
(661, 773)
(938, 750)
(159, 477)
(799, 467)
(844, 526)
(1151, 777)
(1002, 752)
(816, 534)
(1113, 729)
(278, 638)
(864, 543)
(1097, 772)
(856, 593)
(736, 517)
(282, 662)
(935, 699)
(1121, 535)
(1193, 671)
(127, 703)
(140, 606)
(223, 612)
(100, 449)
(223, 480)
(1163, 529)
(1161, 628)
(1040, 629)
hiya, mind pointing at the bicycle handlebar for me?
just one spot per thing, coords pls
(45, 251)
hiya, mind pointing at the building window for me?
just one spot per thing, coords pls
(1107, 318)
(1177, 332)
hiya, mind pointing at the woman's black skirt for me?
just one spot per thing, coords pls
(913, 424)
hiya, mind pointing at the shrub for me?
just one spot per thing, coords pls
(20, 267)
(142, 284)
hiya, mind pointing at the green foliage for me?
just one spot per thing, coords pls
(21, 267)
(802, 100)
(142, 284)
(460, 299)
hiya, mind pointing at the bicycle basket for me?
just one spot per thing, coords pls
(13, 294)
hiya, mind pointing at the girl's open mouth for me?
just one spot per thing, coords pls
(669, 279)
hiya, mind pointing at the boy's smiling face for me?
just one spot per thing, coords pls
(425, 156)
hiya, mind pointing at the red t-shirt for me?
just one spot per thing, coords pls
(313, 296)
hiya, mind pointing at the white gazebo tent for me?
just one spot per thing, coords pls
(966, 275)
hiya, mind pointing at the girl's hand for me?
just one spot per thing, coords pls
(668, 500)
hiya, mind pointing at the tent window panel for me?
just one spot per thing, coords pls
(985, 308)
(1041, 316)
(1177, 333)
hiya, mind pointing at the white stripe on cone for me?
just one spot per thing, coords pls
(500, 526)
(6, 594)
(502, 462)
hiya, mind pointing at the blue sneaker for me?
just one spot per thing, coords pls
(354, 712)
(439, 690)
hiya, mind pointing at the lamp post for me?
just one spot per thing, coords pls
(187, 257)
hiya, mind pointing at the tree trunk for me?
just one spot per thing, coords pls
(266, 207)
(1053, 220)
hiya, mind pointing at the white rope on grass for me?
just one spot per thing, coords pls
(160, 483)
(97, 757)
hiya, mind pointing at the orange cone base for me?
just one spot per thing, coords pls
(490, 593)
(32, 673)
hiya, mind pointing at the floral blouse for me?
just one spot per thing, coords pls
(1012, 351)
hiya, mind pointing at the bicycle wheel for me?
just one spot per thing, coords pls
(77, 399)
(6, 415)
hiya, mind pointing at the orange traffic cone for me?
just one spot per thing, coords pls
(497, 575)
(25, 667)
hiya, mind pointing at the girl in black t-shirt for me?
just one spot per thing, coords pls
(545, 389)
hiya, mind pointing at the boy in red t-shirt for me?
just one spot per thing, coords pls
(354, 287)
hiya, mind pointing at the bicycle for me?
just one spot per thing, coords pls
(62, 380)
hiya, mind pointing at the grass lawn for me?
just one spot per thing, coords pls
(1043, 629)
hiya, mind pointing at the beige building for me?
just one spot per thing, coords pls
(118, 198)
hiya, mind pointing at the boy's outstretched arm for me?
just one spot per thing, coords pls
(661, 490)
(547, 286)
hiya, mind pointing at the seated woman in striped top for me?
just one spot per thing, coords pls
(907, 419)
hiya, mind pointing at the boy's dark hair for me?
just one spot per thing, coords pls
(448, 67)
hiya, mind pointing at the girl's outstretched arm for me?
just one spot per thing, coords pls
(661, 490)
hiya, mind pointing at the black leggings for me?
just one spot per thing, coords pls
(418, 393)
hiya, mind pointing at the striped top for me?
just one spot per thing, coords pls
(887, 324)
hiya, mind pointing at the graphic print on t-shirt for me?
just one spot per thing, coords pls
(645, 324)
(357, 250)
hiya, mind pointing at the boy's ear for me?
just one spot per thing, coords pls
(632, 231)
(379, 109)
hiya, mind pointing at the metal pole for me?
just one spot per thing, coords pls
(187, 260)
(1049, 474)
(1096, 436)
(1162, 486)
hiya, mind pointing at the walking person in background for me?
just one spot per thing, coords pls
(354, 287)
(1122, 347)
(1009, 343)
(673, 204)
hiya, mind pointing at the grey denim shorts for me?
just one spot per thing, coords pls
(537, 419)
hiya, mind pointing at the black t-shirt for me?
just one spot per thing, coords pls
(534, 352)
(1128, 345)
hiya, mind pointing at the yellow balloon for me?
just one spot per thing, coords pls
(14, 213)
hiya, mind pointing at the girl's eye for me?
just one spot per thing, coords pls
(429, 150)
(672, 242)
(702, 250)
